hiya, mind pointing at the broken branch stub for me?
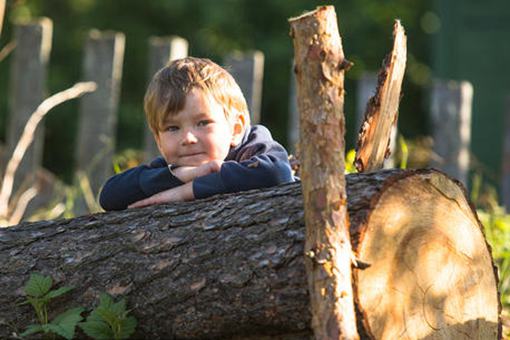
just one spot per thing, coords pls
(319, 66)
(2, 12)
(382, 109)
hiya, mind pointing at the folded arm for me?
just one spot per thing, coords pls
(260, 162)
(260, 171)
(144, 181)
(183, 192)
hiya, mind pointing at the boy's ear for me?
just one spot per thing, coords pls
(238, 128)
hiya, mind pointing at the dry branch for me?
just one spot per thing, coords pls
(232, 267)
(7, 49)
(28, 136)
(319, 66)
(2, 13)
(21, 205)
(382, 109)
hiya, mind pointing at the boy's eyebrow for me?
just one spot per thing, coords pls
(202, 114)
(170, 119)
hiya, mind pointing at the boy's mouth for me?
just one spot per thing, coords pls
(193, 159)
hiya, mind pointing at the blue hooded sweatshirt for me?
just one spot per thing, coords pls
(257, 162)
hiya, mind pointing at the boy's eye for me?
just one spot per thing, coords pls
(204, 122)
(172, 128)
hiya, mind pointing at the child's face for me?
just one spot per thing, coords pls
(199, 133)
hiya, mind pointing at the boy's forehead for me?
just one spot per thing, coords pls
(197, 105)
(200, 100)
(201, 95)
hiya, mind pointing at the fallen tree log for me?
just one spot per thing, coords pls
(232, 266)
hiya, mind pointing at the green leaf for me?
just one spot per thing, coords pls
(57, 292)
(38, 285)
(105, 300)
(94, 316)
(69, 316)
(97, 329)
(46, 328)
(127, 327)
(60, 331)
(31, 329)
(119, 308)
(106, 309)
(106, 314)
(108, 318)
(65, 323)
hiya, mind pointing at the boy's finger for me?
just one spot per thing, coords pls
(141, 203)
(154, 199)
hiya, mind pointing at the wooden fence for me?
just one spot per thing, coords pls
(27, 89)
(450, 109)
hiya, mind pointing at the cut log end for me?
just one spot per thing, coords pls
(311, 13)
(431, 275)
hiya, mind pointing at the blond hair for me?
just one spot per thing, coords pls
(167, 91)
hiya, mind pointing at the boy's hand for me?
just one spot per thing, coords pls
(188, 173)
(177, 194)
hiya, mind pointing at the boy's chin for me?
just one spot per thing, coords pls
(193, 161)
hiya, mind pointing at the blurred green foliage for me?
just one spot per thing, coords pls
(496, 222)
(497, 231)
(214, 28)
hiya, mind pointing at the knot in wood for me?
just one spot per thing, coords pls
(319, 256)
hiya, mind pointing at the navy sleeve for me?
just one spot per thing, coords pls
(259, 162)
(135, 184)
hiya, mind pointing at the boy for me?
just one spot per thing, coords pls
(201, 125)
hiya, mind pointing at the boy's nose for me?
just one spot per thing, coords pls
(189, 138)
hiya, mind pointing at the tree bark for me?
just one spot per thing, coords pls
(319, 66)
(382, 109)
(232, 267)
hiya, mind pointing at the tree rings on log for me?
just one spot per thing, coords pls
(430, 273)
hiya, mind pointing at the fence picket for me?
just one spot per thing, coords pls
(293, 120)
(248, 70)
(104, 55)
(27, 90)
(161, 51)
(451, 127)
(365, 89)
